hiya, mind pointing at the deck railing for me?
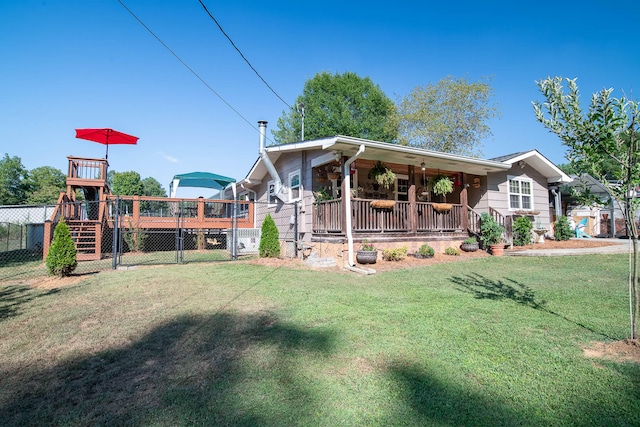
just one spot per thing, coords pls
(365, 217)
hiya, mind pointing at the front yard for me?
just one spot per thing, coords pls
(487, 341)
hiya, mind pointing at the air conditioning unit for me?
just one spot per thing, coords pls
(248, 240)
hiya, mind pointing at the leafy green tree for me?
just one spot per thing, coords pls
(44, 185)
(338, 104)
(269, 239)
(151, 187)
(127, 184)
(61, 259)
(449, 116)
(606, 134)
(13, 187)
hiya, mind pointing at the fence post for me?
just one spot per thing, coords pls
(115, 233)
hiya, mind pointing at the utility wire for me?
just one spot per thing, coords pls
(241, 54)
(186, 66)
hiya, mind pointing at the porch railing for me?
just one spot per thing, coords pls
(365, 218)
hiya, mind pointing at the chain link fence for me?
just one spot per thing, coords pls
(129, 232)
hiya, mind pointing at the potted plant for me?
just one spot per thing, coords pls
(322, 195)
(367, 254)
(442, 185)
(382, 175)
(425, 251)
(470, 245)
(491, 234)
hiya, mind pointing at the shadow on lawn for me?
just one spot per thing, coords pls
(14, 296)
(226, 369)
(484, 288)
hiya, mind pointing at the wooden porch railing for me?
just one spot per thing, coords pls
(505, 221)
(328, 217)
(86, 172)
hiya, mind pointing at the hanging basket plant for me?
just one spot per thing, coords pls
(382, 175)
(442, 185)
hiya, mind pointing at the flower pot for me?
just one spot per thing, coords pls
(470, 247)
(442, 207)
(332, 176)
(497, 249)
(366, 257)
(383, 204)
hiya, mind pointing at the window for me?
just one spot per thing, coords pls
(294, 185)
(520, 193)
(271, 192)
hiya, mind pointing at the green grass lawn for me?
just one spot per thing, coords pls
(486, 342)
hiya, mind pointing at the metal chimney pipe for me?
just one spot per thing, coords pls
(262, 127)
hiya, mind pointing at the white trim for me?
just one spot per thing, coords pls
(271, 196)
(520, 194)
(292, 187)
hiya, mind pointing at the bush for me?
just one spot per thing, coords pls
(562, 229)
(395, 254)
(451, 251)
(522, 228)
(490, 230)
(61, 259)
(270, 239)
(426, 251)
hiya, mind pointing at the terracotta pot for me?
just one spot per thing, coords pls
(366, 257)
(497, 250)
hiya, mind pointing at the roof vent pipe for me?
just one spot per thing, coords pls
(280, 191)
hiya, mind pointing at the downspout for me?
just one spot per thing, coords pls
(347, 201)
(557, 202)
(280, 191)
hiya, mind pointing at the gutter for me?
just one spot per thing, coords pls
(347, 206)
(281, 192)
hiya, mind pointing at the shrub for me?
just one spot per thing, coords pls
(470, 240)
(426, 251)
(562, 229)
(451, 251)
(490, 230)
(395, 254)
(522, 227)
(61, 259)
(270, 239)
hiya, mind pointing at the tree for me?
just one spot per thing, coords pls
(44, 185)
(269, 239)
(13, 188)
(61, 259)
(127, 184)
(450, 116)
(338, 104)
(606, 134)
(151, 187)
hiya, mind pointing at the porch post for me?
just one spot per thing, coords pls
(413, 208)
(464, 201)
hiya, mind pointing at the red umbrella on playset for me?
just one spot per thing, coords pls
(106, 136)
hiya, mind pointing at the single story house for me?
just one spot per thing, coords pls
(339, 204)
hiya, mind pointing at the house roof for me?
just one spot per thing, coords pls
(383, 151)
(539, 163)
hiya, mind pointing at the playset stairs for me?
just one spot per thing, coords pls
(87, 237)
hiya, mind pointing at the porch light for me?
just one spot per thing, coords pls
(423, 166)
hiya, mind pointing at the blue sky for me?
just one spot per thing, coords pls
(81, 63)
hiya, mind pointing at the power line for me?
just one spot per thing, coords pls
(187, 66)
(241, 54)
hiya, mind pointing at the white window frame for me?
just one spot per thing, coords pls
(292, 187)
(271, 195)
(520, 194)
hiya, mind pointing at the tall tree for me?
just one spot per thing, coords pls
(338, 104)
(604, 135)
(44, 185)
(127, 184)
(449, 116)
(13, 188)
(151, 187)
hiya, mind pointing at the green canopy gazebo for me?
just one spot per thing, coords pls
(200, 179)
